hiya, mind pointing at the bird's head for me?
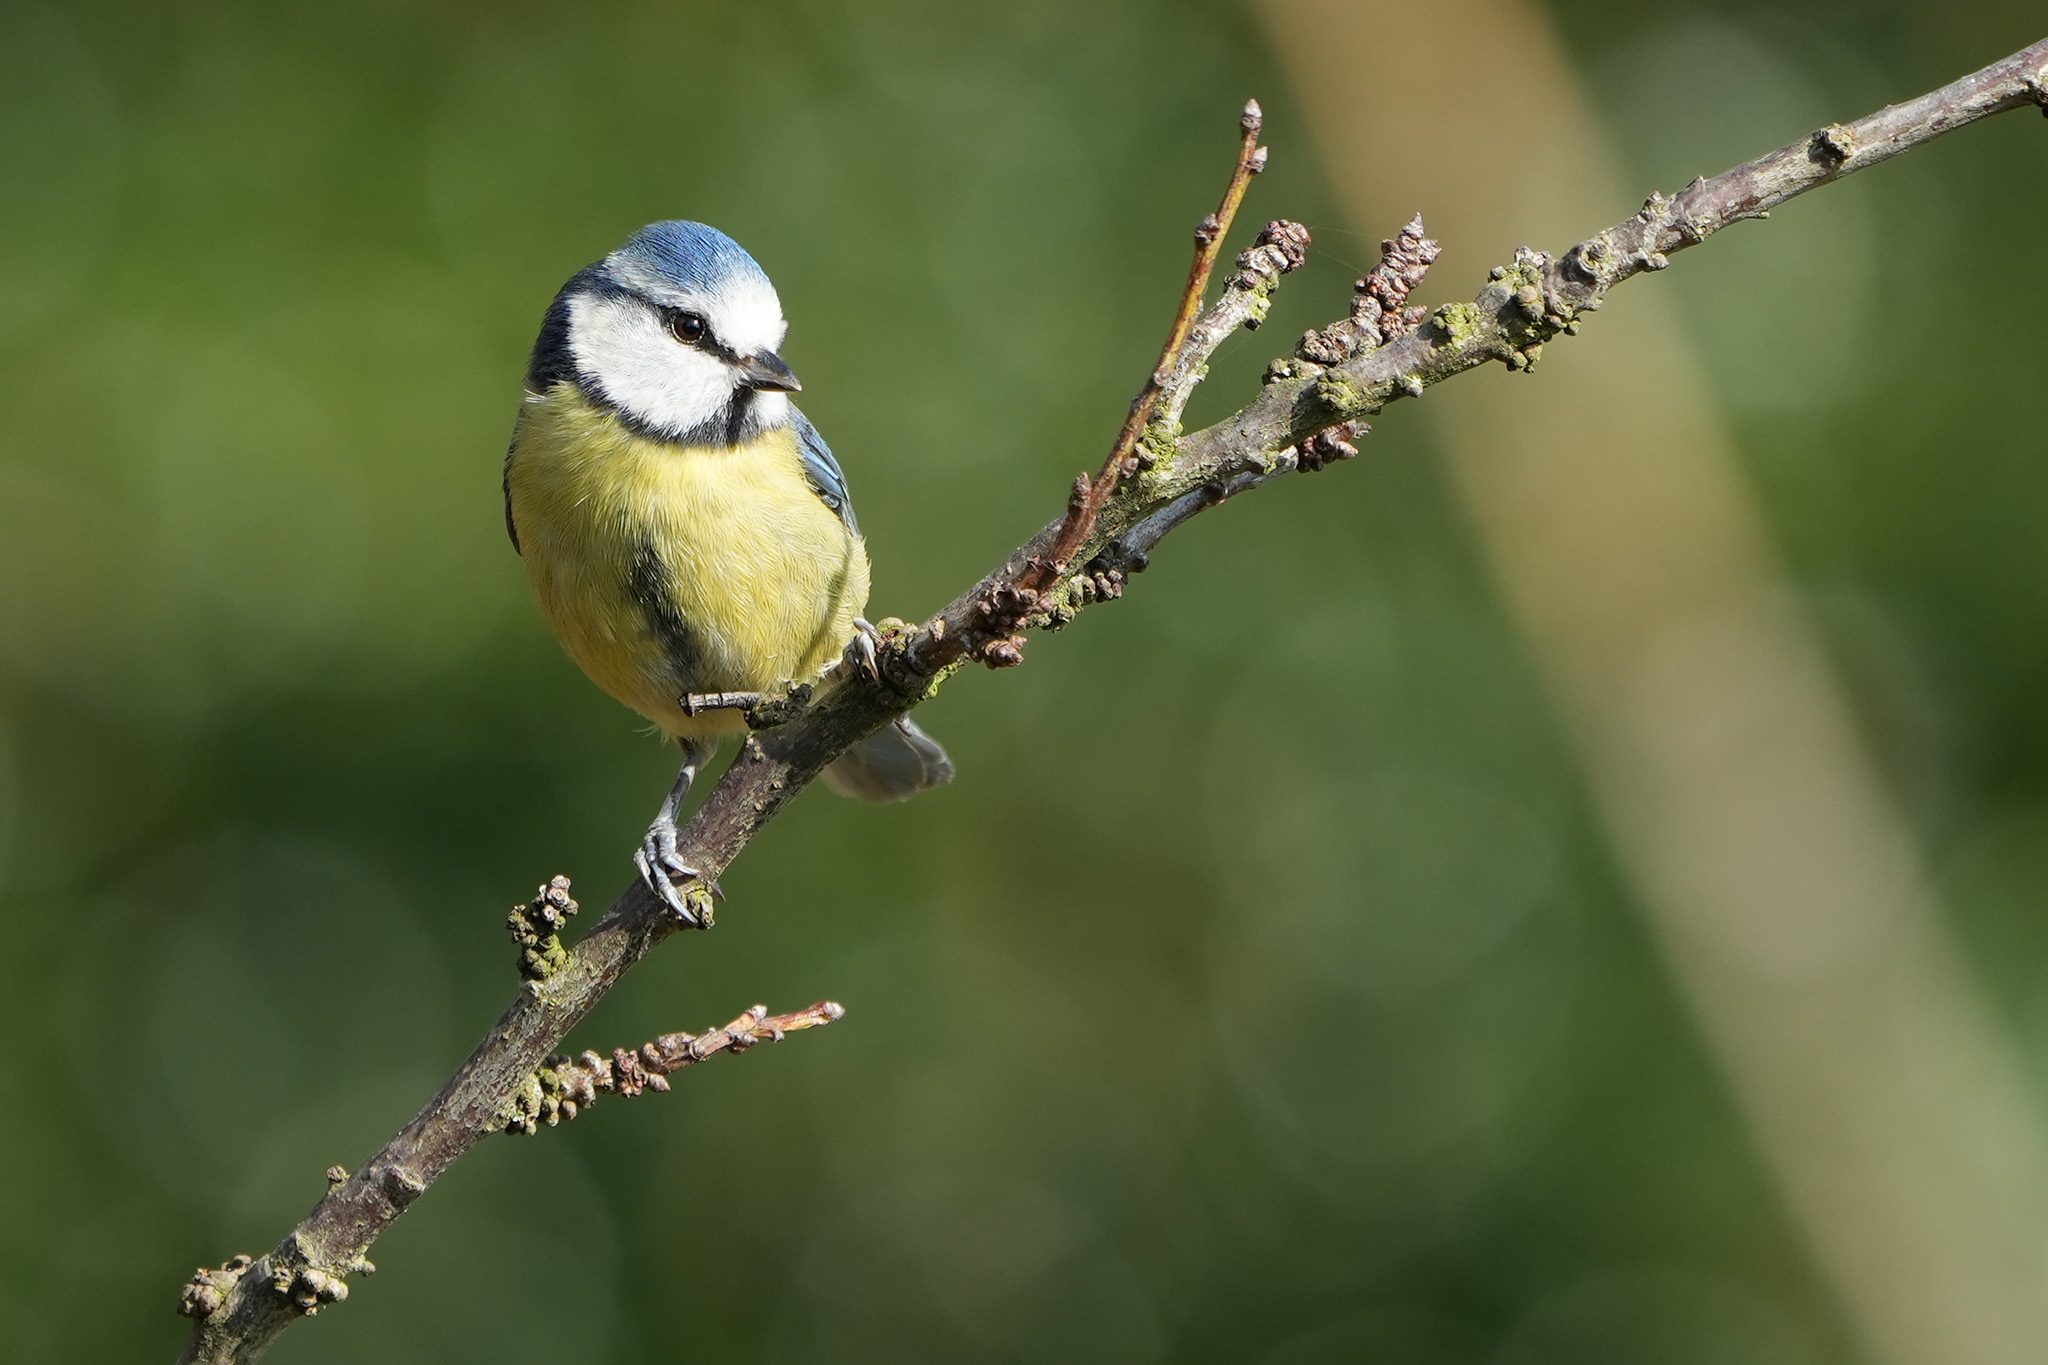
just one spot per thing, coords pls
(676, 333)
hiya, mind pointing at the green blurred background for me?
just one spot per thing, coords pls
(1269, 987)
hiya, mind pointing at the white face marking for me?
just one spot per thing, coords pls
(623, 345)
(745, 314)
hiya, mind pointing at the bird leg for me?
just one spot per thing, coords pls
(660, 860)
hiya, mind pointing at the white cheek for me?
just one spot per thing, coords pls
(769, 408)
(654, 379)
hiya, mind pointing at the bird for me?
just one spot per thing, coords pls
(684, 527)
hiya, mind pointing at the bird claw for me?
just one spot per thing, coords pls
(685, 890)
(860, 650)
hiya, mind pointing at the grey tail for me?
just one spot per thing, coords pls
(895, 762)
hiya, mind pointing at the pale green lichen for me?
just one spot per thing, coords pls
(931, 683)
(1525, 273)
(1529, 314)
(1341, 394)
(536, 926)
(1460, 322)
(1158, 445)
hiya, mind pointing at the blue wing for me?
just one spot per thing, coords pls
(823, 471)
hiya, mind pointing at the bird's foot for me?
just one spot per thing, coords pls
(699, 703)
(860, 655)
(761, 710)
(685, 890)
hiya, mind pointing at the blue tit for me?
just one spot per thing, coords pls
(685, 529)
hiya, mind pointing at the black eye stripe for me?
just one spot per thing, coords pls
(701, 336)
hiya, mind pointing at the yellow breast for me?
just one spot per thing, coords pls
(666, 569)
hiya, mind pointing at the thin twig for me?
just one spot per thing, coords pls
(1279, 249)
(1090, 495)
(1379, 302)
(563, 1087)
(1530, 301)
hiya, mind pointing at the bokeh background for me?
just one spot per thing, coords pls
(1567, 887)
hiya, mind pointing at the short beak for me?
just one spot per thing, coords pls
(765, 370)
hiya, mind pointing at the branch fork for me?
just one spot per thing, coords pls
(1085, 505)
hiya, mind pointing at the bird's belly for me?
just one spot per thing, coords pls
(665, 571)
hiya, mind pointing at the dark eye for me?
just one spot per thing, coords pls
(688, 328)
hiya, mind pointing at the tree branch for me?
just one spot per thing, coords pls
(1306, 415)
